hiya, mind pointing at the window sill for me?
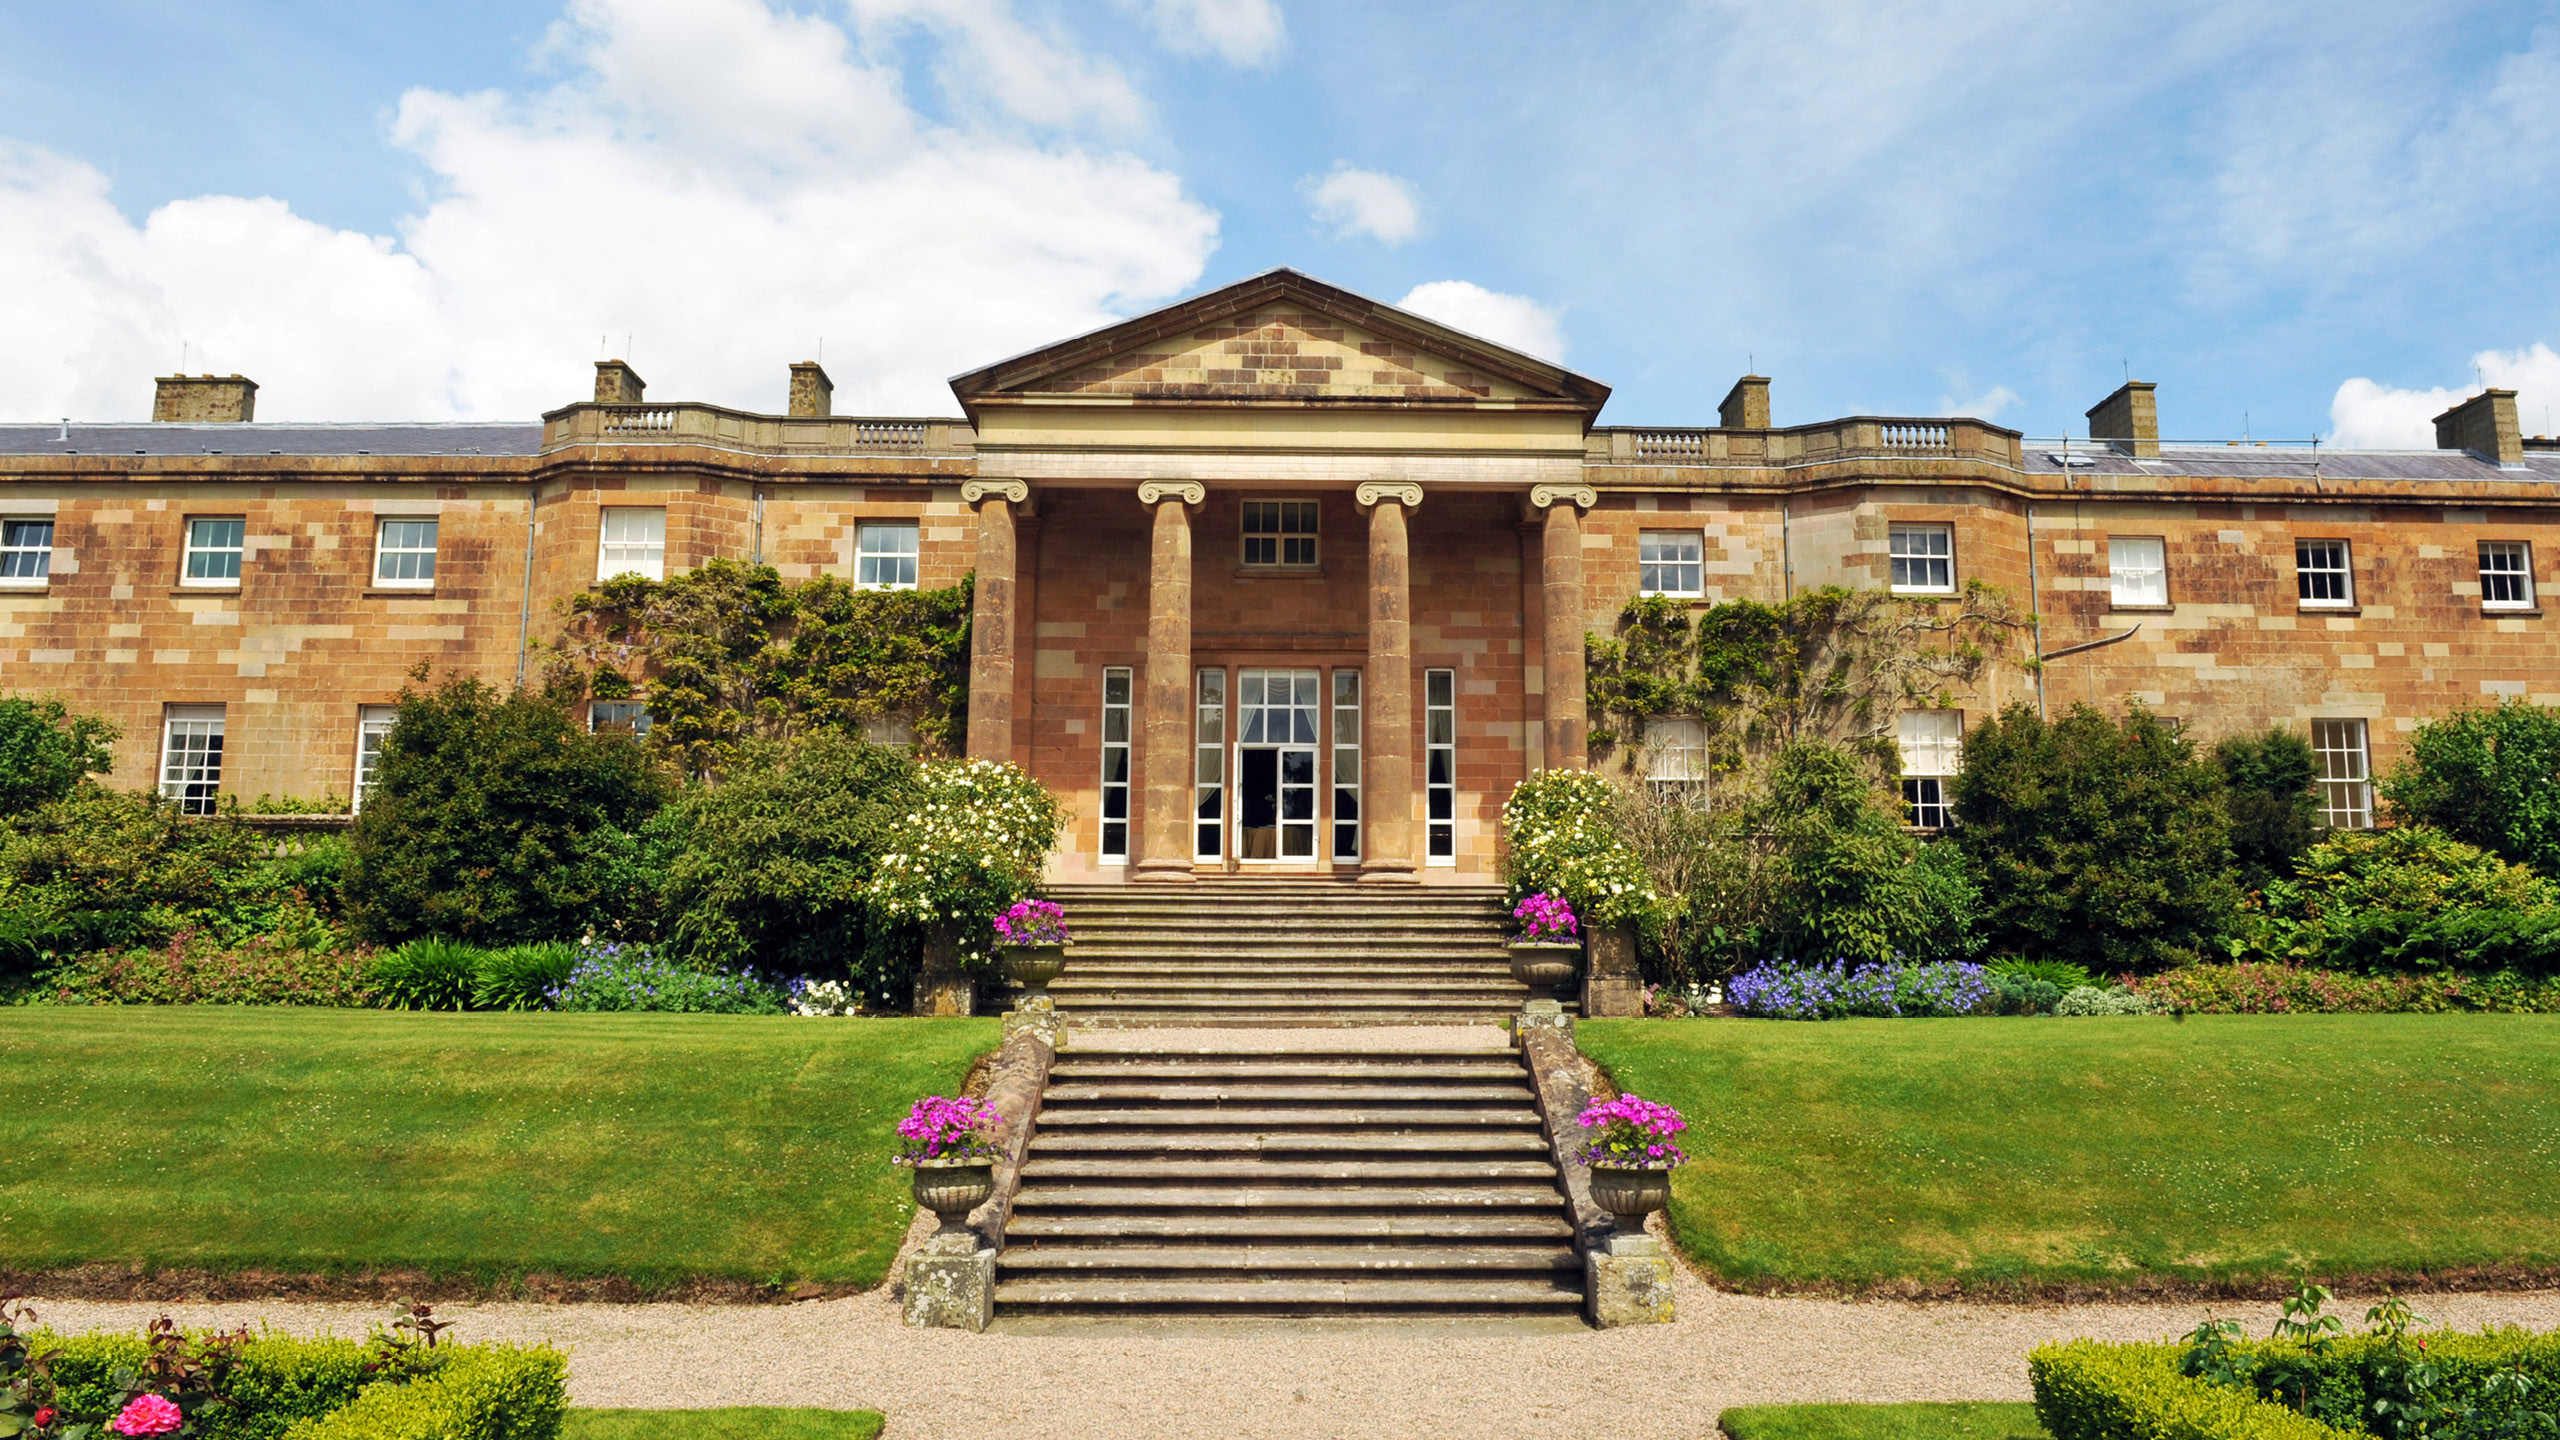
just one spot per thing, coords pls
(1280, 572)
(2511, 612)
(2311, 609)
(36, 586)
(399, 592)
(185, 590)
(2142, 609)
(1671, 594)
(885, 589)
(1902, 593)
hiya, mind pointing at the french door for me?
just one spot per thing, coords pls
(1277, 713)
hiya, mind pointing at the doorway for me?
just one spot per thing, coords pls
(1276, 739)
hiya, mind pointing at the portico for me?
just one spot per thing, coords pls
(1306, 599)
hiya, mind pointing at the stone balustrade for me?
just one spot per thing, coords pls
(1857, 437)
(724, 429)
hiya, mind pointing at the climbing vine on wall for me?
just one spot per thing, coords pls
(730, 653)
(1831, 665)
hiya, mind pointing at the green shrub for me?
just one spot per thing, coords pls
(2100, 1000)
(521, 977)
(480, 1392)
(193, 970)
(2095, 840)
(494, 817)
(2024, 995)
(1563, 838)
(46, 752)
(102, 869)
(775, 858)
(2408, 898)
(2089, 1390)
(2393, 1381)
(2248, 988)
(270, 1381)
(426, 975)
(2488, 777)
(2060, 974)
(2268, 789)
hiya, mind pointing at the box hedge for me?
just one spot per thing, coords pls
(2086, 1390)
(487, 1392)
(325, 1389)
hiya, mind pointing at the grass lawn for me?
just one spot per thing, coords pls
(659, 1148)
(2041, 1151)
(1990, 1420)
(745, 1422)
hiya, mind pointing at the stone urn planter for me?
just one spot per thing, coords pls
(1630, 1192)
(1032, 967)
(953, 1188)
(1542, 965)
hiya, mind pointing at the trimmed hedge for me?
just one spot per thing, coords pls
(275, 1381)
(487, 1392)
(2340, 1383)
(2086, 1390)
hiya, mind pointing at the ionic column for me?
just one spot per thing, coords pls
(1387, 783)
(1567, 726)
(1164, 815)
(991, 618)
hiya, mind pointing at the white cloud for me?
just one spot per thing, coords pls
(1985, 406)
(1513, 320)
(721, 181)
(2368, 415)
(1363, 202)
(1240, 32)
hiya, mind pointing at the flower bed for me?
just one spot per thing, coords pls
(2256, 988)
(1783, 991)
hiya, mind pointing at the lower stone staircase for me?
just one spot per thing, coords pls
(1233, 1128)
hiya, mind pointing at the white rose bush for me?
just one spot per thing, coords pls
(1564, 839)
(976, 840)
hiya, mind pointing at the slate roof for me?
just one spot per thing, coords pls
(2287, 463)
(275, 438)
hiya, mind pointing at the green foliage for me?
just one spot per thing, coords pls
(975, 837)
(1845, 882)
(775, 859)
(1925, 1420)
(193, 970)
(729, 653)
(631, 978)
(2487, 777)
(103, 869)
(2407, 898)
(426, 974)
(1831, 665)
(521, 977)
(495, 817)
(740, 1422)
(2388, 1382)
(46, 752)
(2091, 1390)
(2062, 974)
(2268, 788)
(481, 1392)
(2258, 988)
(1563, 836)
(2085, 1000)
(2095, 840)
(269, 1382)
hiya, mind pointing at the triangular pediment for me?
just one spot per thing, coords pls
(1282, 338)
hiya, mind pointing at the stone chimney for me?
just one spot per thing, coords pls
(218, 400)
(1746, 405)
(617, 383)
(2486, 425)
(2130, 418)
(813, 395)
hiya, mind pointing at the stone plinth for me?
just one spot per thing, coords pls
(942, 987)
(1036, 1015)
(1612, 986)
(1625, 1282)
(951, 1283)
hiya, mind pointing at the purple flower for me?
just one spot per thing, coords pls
(1545, 916)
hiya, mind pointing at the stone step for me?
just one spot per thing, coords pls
(1482, 1117)
(1287, 1297)
(1077, 1070)
(1119, 1200)
(1278, 1172)
(1090, 1020)
(1295, 1260)
(1277, 1092)
(1305, 1142)
(1213, 1229)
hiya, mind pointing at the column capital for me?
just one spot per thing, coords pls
(973, 491)
(1404, 492)
(1543, 496)
(1156, 492)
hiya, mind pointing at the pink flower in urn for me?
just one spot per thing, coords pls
(147, 1415)
(1545, 916)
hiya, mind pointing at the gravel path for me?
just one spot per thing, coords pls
(1238, 1379)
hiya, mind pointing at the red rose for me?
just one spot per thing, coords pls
(44, 1417)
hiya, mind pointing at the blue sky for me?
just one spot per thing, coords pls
(2295, 219)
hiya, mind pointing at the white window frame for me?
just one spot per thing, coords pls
(2519, 578)
(631, 711)
(877, 567)
(2307, 578)
(1290, 549)
(25, 559)
(641, 548)
(1671, 563)
(2137, 580)
(2346, 773)
(1440, 766)
(1932, 745)
(1346, 766)
(1675, 758)
(237, 552)
(387, 556)
(1114, 848)
(191, 746)
(1907, 555)
(1209, 765)
(373, 725)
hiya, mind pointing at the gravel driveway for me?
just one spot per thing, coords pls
(1238, 1379)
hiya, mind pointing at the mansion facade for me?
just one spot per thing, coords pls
(1277, 580)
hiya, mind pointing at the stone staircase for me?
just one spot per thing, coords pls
(1269, 952)
(1189, 1175)
(1244, 1121)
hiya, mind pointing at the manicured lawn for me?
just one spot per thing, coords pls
(661, 1148)
(745, 1422)
(1982, 1420)
(2042, 1150)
